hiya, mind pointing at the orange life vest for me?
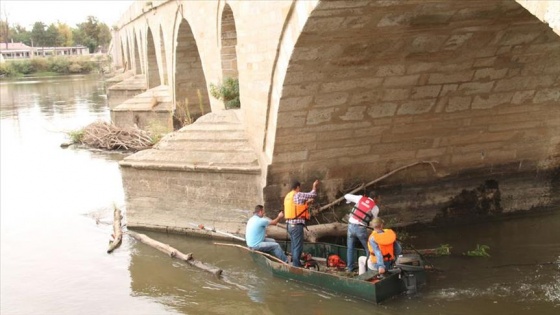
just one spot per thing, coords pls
(293, 210)
(385, 241)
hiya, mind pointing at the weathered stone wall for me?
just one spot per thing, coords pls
(345, 91)
(173, 198)
(372, 86)
(145, 120)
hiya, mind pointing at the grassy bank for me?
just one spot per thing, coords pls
(53, 65)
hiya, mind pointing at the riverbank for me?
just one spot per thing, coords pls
(58, 65)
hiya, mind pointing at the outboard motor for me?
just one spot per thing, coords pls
(413, 273)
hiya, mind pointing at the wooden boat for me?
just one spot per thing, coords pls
(407, 275)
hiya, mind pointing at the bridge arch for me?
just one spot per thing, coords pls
(345, 91)
(228, 36)
(135, 51)
(163, 55)
(125, 52)
(371, 86)
(191, 93)
(152, 64)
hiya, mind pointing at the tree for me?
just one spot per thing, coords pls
(39, 34)
(19, 34)
(89, 33)
(92, 34)
(51, 36)
(4, 32)
(4, 27)
(104, 36)
(65, 35)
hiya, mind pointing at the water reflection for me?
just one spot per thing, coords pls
(53, 95)
(53, 253)
(243, 289)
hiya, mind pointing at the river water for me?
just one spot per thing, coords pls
(56, 210)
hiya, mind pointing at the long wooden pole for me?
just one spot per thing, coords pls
(174, 253)
(337, 201)
(202, 227)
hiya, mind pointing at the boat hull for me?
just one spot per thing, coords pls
(372, 291)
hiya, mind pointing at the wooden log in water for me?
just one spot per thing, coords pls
(174, 253)
(313, 232)
(117, 231)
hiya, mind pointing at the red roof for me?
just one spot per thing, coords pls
(14, 46)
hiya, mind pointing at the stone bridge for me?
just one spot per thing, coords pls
(343, 92)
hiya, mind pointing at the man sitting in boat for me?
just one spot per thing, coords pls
(255, 234)
(383, 249)
(365, 209)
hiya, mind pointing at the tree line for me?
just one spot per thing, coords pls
(92, 33)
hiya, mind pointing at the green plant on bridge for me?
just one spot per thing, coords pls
(228, 92)
(183, 114)
(479, 251)
(156, 131)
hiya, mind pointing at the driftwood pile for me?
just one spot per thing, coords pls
(107, 136)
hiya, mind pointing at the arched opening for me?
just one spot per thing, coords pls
(372, 87)
(163, 57)
(123, 56)
(130, 53)
(229, 42)
(228, 89)
(137, 65)
(191, 94)
(152, 71)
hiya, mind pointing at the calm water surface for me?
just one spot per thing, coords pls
(56, 210)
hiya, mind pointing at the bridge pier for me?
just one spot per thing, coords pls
(204, 173)
(151, 110)
(120, 75)
(344, 92)
(126, 89)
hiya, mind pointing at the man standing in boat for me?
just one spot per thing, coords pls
(383, 248)
(255, 234)
(365, 209)
(296, 212)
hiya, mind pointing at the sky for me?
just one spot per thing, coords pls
(71, 12)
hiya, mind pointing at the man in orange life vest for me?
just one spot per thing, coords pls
(383, 248)
(296, 212)
(365, 209)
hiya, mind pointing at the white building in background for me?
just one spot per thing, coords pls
(22, 51)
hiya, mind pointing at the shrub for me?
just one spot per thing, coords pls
(22, 66)
(76, 136)
(39, 64)
(59, 65)
(228, 92)
(75, 67)
(7, 70)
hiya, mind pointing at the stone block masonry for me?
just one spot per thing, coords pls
(162, 199)
(344, 92)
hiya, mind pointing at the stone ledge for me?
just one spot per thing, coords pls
(137, 82)
(190, 167)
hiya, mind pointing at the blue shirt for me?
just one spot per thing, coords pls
(256, 230)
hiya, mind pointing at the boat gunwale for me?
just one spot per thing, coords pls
(274, 263)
